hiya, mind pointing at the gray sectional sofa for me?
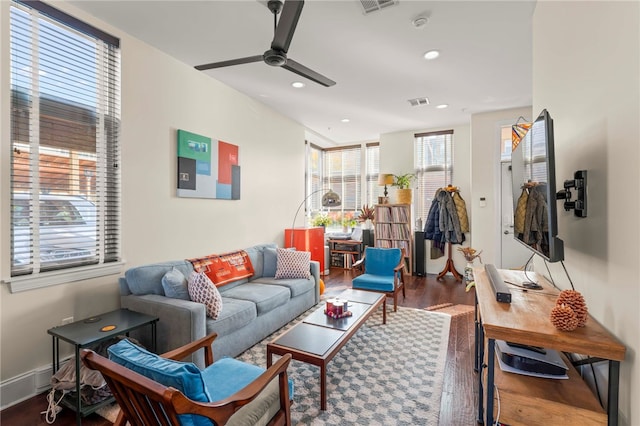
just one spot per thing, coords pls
(252, 308)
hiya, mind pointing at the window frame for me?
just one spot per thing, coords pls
(111, 262)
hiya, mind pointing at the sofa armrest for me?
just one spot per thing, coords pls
(181, 321)
(315, 272)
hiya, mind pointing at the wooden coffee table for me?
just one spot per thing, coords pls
(318, 338)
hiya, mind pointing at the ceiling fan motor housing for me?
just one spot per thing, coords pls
(275, 6)
(275, 58)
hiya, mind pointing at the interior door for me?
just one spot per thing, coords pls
(513, 254)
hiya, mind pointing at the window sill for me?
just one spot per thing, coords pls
(48, 279)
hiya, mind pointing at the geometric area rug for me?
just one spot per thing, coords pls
(385, 375)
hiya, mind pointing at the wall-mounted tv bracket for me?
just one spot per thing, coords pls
(579, 182)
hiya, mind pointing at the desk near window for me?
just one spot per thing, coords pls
(530, 400)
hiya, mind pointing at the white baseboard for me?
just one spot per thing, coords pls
(25, 386)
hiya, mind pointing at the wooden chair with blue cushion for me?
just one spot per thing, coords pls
(383, 272)
(161, 390)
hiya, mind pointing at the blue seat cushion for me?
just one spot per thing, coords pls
(374, 282)
(227, 376)
(184, 376)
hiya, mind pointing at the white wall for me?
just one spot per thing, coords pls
(586, 72)
(159, 96)
(396, 157)
(485, 179)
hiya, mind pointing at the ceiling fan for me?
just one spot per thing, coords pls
(283, 33)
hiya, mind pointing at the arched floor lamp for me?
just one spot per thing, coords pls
(329, 199)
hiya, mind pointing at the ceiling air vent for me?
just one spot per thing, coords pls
(419, 101)
(373, 5)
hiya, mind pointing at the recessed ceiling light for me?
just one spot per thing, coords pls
(298, 84)
(442, 106)
(345, 120)
(432, 54)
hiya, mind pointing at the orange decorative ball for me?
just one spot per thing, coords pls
(321, 286)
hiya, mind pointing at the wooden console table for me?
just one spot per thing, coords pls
(531, 400)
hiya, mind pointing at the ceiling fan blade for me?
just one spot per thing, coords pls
(300, 69)
(247, 60)
(287, 25)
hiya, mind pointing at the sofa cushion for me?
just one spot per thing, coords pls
(174, 285)
(147, 279)
(293, 264)
(202, 290)
(266, 297)
(270, 262)
(270, 255)
(235, 314)
(184, 376)
(296, 286)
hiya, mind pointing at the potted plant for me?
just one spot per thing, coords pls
(403, 182)
(367, 214)
(348, 221)
(321, 219)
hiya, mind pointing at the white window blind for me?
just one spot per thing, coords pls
(65, 125)
(314, 178)
(433, 155)
(373, 169)
(342, 174)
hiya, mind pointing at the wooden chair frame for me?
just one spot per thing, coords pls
(144, 402)
(398, 278)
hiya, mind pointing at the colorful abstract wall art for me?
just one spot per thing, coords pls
(207, 168)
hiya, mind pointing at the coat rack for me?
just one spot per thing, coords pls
(449, 266)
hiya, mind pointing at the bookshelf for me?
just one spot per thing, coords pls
(393, 228)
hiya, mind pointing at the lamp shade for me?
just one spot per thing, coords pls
(331, 199)
(385, 179)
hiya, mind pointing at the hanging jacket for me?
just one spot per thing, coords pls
(448, 219)
(520, 213)
(536, 222)
(432, 224)
(461, 208)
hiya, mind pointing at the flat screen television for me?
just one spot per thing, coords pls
(534, 189)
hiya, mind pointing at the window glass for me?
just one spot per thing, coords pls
(433, 155)
(65, 103)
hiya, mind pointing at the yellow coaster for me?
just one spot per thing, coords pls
(108, 328)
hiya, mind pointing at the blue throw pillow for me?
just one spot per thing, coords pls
(270, 262)
(174, 285)
(184, 376)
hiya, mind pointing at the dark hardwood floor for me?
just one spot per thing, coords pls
(459, 395)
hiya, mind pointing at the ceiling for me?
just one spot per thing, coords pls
(375, 58)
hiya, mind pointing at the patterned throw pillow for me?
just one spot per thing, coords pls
(202, 290)
(293, 264)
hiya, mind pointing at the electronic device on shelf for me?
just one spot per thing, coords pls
(500, 289)
(530, 360)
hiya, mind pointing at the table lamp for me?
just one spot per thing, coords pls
(385, 179)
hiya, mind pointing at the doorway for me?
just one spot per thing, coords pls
(513, 255)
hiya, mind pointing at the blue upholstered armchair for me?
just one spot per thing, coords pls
(159, 389)
(383, 272)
